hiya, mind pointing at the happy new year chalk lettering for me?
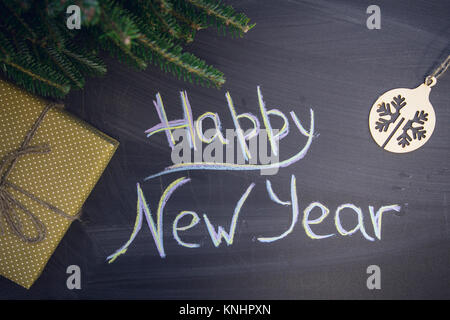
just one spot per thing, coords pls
(194, 136)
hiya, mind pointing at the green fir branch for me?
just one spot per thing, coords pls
(87, 63)
(38, 51)
(188, 15)
(224, 15)
(66, 67)
(36, 83)
(184, 64)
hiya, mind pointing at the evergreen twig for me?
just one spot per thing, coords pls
(38, 51)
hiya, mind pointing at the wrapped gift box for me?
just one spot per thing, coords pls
(64, 177)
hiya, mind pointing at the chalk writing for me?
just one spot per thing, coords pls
(156, 228)
(193, 131)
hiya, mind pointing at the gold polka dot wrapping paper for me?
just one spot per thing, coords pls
(64, 177)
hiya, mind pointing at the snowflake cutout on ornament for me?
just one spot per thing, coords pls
(385, 110)
(417, 132)
(392, 112)
(402, 120)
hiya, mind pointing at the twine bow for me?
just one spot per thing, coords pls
(9, 204)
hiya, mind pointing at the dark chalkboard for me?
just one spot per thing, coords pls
(315, 54)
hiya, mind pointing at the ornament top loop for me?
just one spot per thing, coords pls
(430, 81)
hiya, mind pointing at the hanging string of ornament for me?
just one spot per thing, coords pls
(403, 120)
(438, 72)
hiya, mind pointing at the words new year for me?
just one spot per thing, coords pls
(186, 134)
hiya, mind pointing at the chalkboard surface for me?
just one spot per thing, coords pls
(316, 54)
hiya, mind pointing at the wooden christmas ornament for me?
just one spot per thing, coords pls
(403, 120)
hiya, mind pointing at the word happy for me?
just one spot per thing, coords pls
(369, 230)
(195, 136)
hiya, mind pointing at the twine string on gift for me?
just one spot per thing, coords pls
(9, 204)
(438, 72)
